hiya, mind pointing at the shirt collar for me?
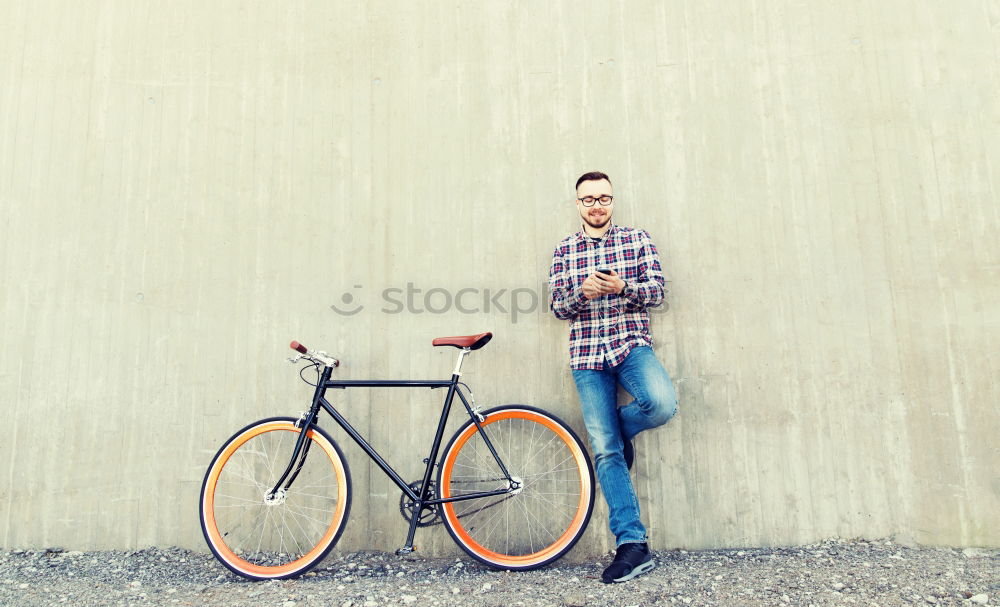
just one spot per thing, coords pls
(582, 234)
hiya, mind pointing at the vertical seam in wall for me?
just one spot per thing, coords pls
(625, 97)
(904, 477)
(15, 101)
(13, 432)
(957, 406)
(16, 95)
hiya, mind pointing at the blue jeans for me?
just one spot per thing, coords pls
(655, 402)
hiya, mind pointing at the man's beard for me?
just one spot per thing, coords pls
(597, 226)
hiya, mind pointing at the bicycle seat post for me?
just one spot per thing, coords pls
(458, 362)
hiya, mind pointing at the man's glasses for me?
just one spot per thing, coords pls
(588, 201)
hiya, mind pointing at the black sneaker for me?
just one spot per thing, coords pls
(630, 560)
(629, 452)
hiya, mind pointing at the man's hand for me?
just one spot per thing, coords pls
(597, 285)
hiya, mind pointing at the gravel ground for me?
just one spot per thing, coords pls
(833, 572)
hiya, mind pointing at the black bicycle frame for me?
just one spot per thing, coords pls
(423, 500)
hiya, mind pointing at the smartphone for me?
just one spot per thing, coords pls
(605, 272)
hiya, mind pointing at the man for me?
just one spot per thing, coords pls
(602, 279)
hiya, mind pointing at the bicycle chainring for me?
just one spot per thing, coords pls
(428, 516)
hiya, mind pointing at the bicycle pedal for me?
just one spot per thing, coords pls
(407, 552)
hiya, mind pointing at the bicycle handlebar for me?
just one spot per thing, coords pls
(318, 357)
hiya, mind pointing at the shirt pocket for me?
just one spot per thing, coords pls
(630, 257)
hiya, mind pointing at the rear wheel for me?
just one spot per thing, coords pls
(545, 512)
(263, 536)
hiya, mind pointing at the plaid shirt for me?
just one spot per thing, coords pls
(605, 329)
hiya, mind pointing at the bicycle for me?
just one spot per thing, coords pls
(514, 485)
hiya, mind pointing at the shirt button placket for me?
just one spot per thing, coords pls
(604, 306)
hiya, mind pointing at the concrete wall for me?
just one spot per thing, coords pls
(187, 186)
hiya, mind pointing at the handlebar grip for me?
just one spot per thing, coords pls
(298, 347)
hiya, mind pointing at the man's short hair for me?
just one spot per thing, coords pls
(592, 176)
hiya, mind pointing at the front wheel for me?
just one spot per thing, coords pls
(263, 535)
(542, 513)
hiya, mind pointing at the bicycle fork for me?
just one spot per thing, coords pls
(302, 444)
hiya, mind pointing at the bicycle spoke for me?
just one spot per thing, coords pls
(324, 497)
(233, 497)
(263, 527)
(305, 534)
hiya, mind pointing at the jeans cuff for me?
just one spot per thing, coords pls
(630, 541)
